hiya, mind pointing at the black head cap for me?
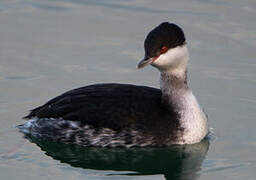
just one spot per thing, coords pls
(166, 34)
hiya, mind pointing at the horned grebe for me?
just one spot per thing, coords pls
(124, 115)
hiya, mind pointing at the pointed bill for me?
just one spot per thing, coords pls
(144, 62)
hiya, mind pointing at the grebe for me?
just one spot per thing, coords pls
(124, 115)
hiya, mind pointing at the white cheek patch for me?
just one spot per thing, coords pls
(172, 57)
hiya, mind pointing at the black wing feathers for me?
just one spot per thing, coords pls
(114, 106)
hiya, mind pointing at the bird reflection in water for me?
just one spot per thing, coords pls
(175, 162)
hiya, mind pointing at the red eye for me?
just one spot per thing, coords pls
(164, 49)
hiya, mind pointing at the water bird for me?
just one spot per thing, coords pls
(126, 115)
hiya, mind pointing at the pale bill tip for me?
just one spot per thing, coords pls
(144, 62)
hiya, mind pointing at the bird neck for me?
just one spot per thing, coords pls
(178, 97)
(174, 87)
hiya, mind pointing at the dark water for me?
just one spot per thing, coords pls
(48, 47)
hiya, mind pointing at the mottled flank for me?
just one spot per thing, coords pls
(74, 133)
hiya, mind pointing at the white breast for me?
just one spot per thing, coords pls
(193, 119)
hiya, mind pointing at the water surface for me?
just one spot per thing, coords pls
(48, 47)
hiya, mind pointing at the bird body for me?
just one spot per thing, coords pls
(124, 115)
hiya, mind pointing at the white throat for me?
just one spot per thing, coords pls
(176, 93)
(174, 61)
